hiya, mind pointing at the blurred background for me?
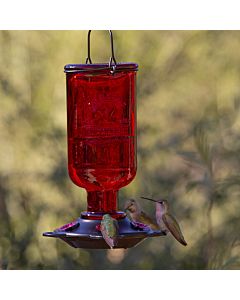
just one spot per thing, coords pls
(188, 147)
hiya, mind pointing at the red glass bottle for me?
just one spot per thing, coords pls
(101, 118)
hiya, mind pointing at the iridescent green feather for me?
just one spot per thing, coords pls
(109, 229)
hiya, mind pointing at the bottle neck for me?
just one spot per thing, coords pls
(100, 203)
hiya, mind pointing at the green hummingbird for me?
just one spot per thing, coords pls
(109, 230)
(166, 221)
(138, 215)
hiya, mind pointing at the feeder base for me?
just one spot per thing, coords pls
(84, 233)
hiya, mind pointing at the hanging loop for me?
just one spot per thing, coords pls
(112, 61)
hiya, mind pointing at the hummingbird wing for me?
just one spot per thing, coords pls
(109, 231)
(145, 219)
(116, 226)
(172, 225)
(106, 236)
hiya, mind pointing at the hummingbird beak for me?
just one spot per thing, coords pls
(149, 199)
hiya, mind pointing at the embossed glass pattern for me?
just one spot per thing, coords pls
(101, 118)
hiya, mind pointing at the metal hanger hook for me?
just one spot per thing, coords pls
(112, 61)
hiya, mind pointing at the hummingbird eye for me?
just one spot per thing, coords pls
(128, 206)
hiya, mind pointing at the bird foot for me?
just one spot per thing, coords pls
(141, 226)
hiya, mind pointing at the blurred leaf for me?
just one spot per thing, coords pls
(203, 147)
(231, 263)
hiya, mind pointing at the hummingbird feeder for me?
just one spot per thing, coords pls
(101, 128)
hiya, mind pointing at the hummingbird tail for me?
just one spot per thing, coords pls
(183, 242)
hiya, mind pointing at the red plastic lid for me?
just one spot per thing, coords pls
(119, 67)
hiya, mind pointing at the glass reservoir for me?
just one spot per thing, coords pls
(101, 126)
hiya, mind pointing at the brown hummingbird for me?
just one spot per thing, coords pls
(138, 215)
(166, 221)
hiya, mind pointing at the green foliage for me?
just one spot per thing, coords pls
(188, 147)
